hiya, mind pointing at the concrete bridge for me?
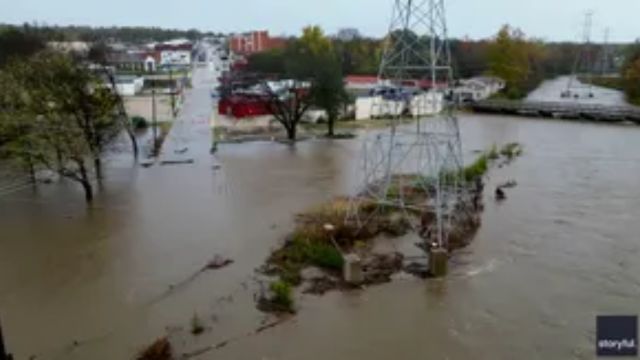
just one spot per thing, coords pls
(563, 110)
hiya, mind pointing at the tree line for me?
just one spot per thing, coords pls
(127, 34)
(631, 74)
(520, 60)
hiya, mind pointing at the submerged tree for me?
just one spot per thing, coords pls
(328, 91)
(288, 103)
(60, 117)
(316, 59)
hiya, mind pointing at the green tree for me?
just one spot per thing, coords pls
(60, 116)
(516, 60)
(314, 58)
(314, 78)
(631, 74)
(632, 81)
(268, 62)
(18, 43)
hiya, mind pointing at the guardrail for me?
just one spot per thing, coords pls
(560, 110)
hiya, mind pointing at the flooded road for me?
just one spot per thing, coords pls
(551, 90)
(562, 249)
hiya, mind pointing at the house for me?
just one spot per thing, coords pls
(254, 42)
(478, 88)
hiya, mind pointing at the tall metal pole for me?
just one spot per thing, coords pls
(583, 56)
(154, 121)
(588, 24)
(605, 53)
(172, 89)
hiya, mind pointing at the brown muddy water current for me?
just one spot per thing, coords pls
(562, 249)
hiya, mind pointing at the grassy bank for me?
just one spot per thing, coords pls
(611, 82)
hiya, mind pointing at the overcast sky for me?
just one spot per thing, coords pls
(546, 19)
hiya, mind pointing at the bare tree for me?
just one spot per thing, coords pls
(288, 102)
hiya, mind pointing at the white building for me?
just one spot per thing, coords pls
(478, 88)
(175, 53)
(129, 85)
(421, 104)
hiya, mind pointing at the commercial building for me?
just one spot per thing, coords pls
(254, 42)
(178, 54)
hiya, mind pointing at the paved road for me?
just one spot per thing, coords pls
(551, 90)
(190, 138)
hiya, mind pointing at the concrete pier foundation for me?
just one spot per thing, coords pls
(438, 262)
(352, 270)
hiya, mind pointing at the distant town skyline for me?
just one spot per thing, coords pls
(543, 19)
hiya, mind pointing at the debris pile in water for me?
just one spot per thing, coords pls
(159, 350)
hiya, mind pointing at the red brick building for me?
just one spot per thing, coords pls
(255, 42)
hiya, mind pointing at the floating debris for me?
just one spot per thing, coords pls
(177, 162)
(509, 184)
(159, 350)
(218, 262)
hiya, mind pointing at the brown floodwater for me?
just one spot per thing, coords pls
(100, 283)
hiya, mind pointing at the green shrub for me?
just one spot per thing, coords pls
(477, 169)
(493, 153)
(196, 325)
(138, 122)
(511, 150)
(324, 256)
(282, 295)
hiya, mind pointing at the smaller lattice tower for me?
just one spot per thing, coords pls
(605, 54)
(583, 66)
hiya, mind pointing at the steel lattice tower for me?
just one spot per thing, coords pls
(605, 53)
(584, 63)
(415, 79)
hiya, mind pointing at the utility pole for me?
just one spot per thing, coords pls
(605, 53)
(172, 90)
(154, 121)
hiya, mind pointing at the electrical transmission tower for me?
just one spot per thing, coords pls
(583, 65)
(414, 169)
(605, 53)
